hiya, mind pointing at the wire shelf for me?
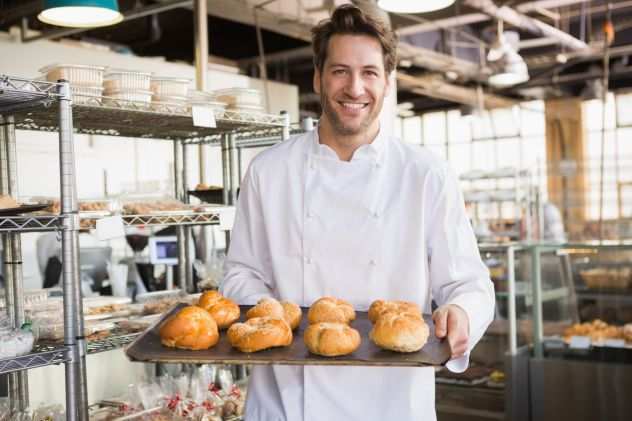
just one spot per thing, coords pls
(198, 218)
(17, 93)
(41, 356)
(111, 117)
(116, 341)
(30, 223)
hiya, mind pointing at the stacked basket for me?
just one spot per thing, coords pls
(127, 85)
(86, 82)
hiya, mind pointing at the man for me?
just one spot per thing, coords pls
(347, 211)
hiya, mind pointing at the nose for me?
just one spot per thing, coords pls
(355, 86)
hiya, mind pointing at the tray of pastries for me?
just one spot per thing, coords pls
(330, 332)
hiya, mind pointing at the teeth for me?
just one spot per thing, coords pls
(353, 105)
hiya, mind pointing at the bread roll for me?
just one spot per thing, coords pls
(330, 309)
(292, 314)
(400, 331)
(331, 339)
(379, 307)
(224, 311)
(266, 307)
(191, 328)
(7, 202)
(259, 333)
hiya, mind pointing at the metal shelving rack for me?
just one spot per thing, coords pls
(30, 105)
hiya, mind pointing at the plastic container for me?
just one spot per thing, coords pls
(86, 94)
(218, 107)
(248, 109)
(166, 99)
(238, 97)
(124, 80)
(169, 86)
(137, 96)
(76, 74)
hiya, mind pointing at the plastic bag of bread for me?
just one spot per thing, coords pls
(191, 328)
(330, 309)
(260, 333)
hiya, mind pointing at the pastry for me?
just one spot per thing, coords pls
(7, 202)
(292, 314)
(331, 339)
(329, 309)
(191, 328)
(400, 331)
(224, 311)
(627, 332)
(379, 307)
(266, 307)
(259, 333)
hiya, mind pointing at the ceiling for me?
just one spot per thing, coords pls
(562, 42)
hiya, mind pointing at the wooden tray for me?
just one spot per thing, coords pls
(147, 348)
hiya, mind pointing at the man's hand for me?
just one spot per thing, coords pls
(451, 321)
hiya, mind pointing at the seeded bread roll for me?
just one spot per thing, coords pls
(224, 311)
(292, 314)
(266, 307)
(191, 328)
(259, 333)
(331, 339)
(379, 307)
(400, 331)
(330, 309)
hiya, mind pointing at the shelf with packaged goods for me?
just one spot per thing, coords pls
(115, 341)
(19, 94)
(167, 219)
(41, 356)
(30, 223)
(109, 117)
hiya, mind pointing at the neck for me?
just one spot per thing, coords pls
(345, 145)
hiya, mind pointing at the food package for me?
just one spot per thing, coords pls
(15, 342)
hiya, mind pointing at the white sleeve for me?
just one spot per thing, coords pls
(247, 272)
(457, 273)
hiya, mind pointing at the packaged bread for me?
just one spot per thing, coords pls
(224, 311)
(270, 307)
(260, 333)
(330, 309)
(331, 339)
(190, 328)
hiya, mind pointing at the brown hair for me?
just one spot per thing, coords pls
(350, 20)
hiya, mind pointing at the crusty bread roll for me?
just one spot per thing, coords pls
(400, 331)
(266, 307)
(331, 339)
(627, 332)
(190, 328)
(259, 333)
(7, 202)
(379, 307)
(224, 311)
(330, 309)
(292, 314)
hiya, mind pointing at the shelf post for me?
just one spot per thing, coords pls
(178, 181)
(226, 176)
(188, 263)
(536, 273)
(511, 300)
(76, 384)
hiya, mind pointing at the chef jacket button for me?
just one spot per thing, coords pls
(378, 164)
(312, 165)
(308, 260)
(376, 214)
(310, 215)
(373, 262)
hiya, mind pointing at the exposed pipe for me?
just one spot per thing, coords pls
(527, 23)
(200, 16)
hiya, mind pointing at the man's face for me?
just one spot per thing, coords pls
(352, 84)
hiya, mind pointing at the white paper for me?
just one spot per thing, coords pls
(579, 342)
(110, 227)
(203, 116)
(227, 218)
(614, 343)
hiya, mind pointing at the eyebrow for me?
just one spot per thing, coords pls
(368, 66)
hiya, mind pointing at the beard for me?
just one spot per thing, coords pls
(346, 129)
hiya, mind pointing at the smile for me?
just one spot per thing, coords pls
(354, 105)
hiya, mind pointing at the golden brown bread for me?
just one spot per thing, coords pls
(330, 309)
(379, 307)
(259, 333)
(292, 314)
(7, 202)
(190, 328)
(331, 339)
(400, 331)
(266, 307)
(224, 311)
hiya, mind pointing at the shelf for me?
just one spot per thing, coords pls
(30, 223)
(41, 356)
(198, 218)
(18, 94)
(623, 296)
(133, 119)
(110, 343)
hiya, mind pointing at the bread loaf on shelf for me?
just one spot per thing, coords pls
(190, 328)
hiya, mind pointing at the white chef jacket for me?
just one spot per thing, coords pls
(388, 224)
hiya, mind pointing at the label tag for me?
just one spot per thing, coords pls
(203, 117)
(579, 342)
(614, 343)
(227, 218)
(110, 227)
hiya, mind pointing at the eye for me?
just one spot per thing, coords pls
(371, 73)
(339, 71)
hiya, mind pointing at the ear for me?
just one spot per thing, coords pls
(316, 81)
(387, 87)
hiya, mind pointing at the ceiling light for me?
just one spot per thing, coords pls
(81, 13)
(507, 65)
(413, 6)
(405, 106)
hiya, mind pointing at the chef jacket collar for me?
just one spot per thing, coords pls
(374, 150)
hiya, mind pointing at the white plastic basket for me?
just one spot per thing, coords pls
(85, 94)
(123, 80)
(218, 107)
(76, 74)
(138, 96)
(237, 97)
(169, 99)
(170, 86)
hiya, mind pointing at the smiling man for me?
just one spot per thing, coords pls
(350, 212)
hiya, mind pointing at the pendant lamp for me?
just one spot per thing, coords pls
(413, 6)
(509, 68)
(81, 13)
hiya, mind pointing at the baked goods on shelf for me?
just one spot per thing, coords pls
(270, 307)
(224, 311)
(190, 328)
(380, 307)
(400, 331)
(7, 202)
(330, 309)
(627, 332)
(147, 207)
(597, 330)
(602, 277)
(331, 339)
(259, 333)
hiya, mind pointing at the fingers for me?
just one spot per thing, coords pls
(440, 319)
(458, 337)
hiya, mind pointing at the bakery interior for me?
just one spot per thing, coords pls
(166, 103)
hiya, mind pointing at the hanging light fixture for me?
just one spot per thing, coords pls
(509, 68)
(413, 6)
(81, 13)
